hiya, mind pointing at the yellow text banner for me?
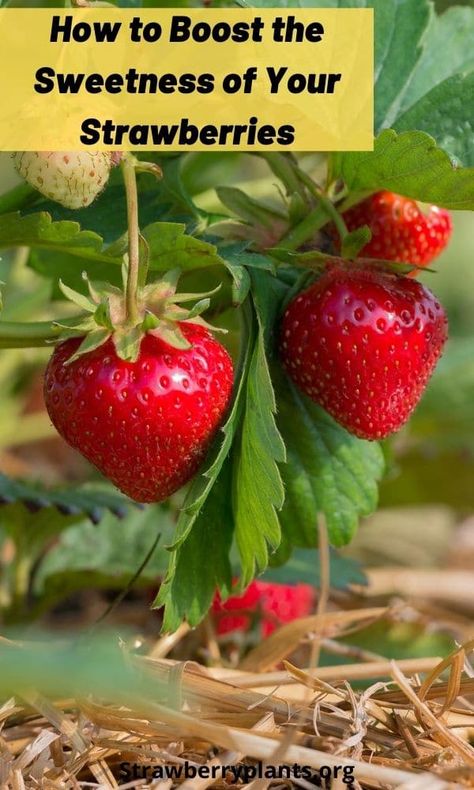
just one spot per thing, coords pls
(186, 79)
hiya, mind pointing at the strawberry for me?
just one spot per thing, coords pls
(73, 179)
(274, 603)
(401, 230)
(145, 424)
(363, 344)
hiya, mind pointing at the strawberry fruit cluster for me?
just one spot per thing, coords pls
(140, 387)
(363, 341)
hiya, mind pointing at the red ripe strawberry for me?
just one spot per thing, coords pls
(401, 230)
(275, 603)
(363, 343)
(146, 425)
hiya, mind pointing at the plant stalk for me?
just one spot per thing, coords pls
(131, 295)
(284, 169)
(329, 206)
(306, 229)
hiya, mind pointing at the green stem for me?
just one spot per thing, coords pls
(329, 206)
(261, 188)
(306, 229)
(33, 334)
(20, 584)
(131, 296)
(286, 170)
(22, 577)
(316, 219)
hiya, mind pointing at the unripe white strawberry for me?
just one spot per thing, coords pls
(71, 178)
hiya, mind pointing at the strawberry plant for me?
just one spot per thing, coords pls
(306, 262)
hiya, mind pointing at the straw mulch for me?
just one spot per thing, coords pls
(409, 732)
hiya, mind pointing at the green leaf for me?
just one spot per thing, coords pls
(246, 487)
(92, 341)
(438, 113)
(201, 565)
(38, 230)
(77, 298)
(304, 566)
(33, 516)
(247, 208)
(197, 512)
(410, 164)
(399, 28)
(417, 55)
(207, 494)
(440, 90)
(423, 75)
(93, 556)
(239, 254)
(450, 33)
(424, 81)
(240, 281)
(328, 470)
(170, 247)
(202, 485)
(238, 260)
(258, 489)
(62, 251)
(92, 502)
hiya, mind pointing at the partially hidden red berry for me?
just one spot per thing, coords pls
(363, 344)
(273, 604)
(401, 230)
(146, 425)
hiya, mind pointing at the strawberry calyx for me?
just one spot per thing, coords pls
(319, 261)
(159, 313)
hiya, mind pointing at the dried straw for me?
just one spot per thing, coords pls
(413, 736)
